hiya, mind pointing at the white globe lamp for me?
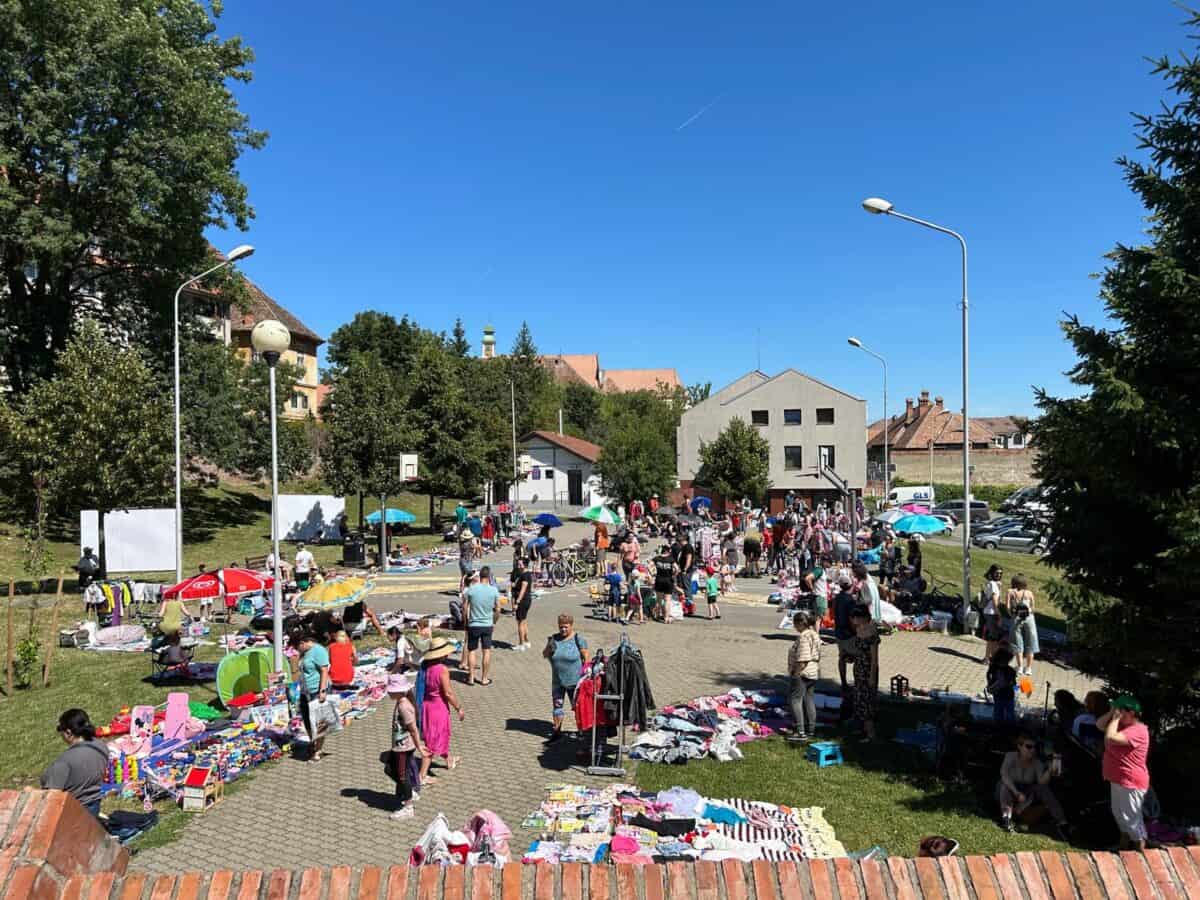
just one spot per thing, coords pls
(270, 338)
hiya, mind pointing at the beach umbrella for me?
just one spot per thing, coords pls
(689, 520)
(667, 512)
(475, 525)
(915, 508)
(221, 583)
(335, 593)
(547, 519)
(698, 502)
(394, 517)
(601, 514)
(919, 525)
(891, 516)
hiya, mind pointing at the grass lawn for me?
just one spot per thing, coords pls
(944, 563)
(884, 794)
(221, 525)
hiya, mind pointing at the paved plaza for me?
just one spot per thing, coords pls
(294, 814)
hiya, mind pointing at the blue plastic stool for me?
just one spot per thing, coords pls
(824, 753)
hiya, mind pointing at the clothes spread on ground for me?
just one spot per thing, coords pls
(711, 726)
(619, 823)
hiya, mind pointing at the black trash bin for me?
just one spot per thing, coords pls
(354, 550)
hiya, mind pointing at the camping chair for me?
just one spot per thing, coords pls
(161, 669)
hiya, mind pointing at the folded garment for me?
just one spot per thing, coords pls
(669, 827)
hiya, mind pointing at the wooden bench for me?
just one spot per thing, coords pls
(256, 563)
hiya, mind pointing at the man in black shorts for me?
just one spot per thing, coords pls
(521, 590)
(685, 559)
(752, 548)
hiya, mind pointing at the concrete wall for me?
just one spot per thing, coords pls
(543, 456)
(789, 390)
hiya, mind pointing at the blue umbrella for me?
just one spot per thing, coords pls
(394, 517)
(697, 502)
(918, 525)
(547, 519)
(476, 525)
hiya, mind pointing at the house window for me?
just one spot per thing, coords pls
(825, 415)
(300, 360)
(793, 458)
(828, 460)
(791, 417)
(535, 474)
(549, 474)
(299, 401)
(760, 417)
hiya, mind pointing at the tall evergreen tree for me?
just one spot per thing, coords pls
(460, 346)
(1119, 461)
(538, 396)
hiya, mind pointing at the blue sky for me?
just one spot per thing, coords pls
(525, 161)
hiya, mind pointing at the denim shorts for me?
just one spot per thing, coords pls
(559, 695)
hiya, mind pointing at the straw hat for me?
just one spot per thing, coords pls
(439, 648)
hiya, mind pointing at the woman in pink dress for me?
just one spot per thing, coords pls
(435, 708)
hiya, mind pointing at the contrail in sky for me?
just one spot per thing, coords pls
(701, 111)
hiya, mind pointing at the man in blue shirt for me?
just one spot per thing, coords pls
(480, 610)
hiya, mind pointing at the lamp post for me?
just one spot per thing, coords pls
(269, 339)
(878, 207)
(512, 387)
(234, 255)
(887, 471)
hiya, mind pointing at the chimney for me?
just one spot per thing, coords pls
(938, 401)
(924, 404)
(908, 410)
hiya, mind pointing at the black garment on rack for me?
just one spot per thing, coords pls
(625, 674)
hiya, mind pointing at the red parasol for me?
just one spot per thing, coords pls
(221, 583)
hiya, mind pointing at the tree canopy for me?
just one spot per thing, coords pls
(1119, 461)
(119, 144)
(737, 464)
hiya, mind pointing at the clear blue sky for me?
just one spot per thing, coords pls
(525, 161)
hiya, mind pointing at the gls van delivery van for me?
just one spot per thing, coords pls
(899, 496)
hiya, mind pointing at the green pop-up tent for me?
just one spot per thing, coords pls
(245, 672)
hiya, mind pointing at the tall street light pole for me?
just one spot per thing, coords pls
(887, 470)
(235, 254)
(512, 387)
(269, 339)
(876, 206)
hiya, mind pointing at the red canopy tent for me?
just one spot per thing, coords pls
(221, 583)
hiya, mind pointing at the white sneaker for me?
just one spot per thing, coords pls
(405, 812)
(415, 796)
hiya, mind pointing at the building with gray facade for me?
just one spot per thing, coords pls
(803, 420)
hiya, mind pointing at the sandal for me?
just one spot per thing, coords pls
(452, 762)
(485, 683)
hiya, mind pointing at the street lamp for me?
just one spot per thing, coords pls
(512, 387)
(887, 472)
(269, 339)
(240, 252)
(880, 207)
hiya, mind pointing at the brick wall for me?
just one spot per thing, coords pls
(50, 847)
(991, 466)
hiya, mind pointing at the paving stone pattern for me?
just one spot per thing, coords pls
(295, 814)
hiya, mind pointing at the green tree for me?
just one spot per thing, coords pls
(366, 429)
(96, 436)
(1119, 461)
(119, 145)
(635, 462)
(396, 342)
(537, 395)
(698, 393)
(460, 346)
(737, 464)
(581, 410)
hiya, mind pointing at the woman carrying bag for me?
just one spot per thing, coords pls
(316, 710)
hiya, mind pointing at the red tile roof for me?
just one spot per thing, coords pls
(581, 448)
(264, 307)
(624, 380)
(574, 367)
(924, 421)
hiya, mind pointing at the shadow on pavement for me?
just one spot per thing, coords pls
(373, 799)
(949, 651)
(537, 727)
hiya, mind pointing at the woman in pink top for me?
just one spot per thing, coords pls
(1126, 751)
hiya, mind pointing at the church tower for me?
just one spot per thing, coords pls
(488, 351)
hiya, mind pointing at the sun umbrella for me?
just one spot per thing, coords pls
(335, 593)
(221, 583)
(689, 520)
(890, 516)
(915, 508)
(667, 512)
(919, 525)
(698, 502)
(394, 517)
(547, 519)
(601, 514)
(476, 525)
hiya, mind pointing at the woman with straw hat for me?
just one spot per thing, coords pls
(436, 705)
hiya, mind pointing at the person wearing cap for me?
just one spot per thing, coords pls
(439, 699)
(406, 741)
(843, 628)
(1126, 751)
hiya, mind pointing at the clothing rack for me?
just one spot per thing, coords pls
(616, 770)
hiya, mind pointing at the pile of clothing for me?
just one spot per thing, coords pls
(711, 726)
(624, 825)
(482, 841)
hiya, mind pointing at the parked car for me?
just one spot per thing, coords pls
(999, 524)
(1018, 498)
(979, 510)
(1019, 537)
(948, 520)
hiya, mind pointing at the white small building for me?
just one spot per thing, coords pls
(557, 471)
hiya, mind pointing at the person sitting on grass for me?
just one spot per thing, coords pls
(342, 657)
(1024, 779)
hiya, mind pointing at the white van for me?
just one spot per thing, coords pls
(900, 496)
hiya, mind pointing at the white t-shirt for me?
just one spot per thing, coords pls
(304, 561)
(991, 593)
